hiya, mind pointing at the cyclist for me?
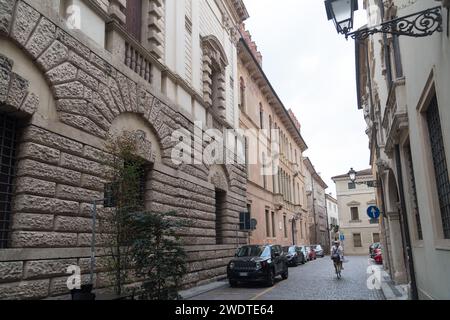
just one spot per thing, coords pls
(337, 255)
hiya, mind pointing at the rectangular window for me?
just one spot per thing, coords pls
(133, 15)
(440, 164)
(274, 227)
(8, 141)
(285, 226)
(111, 189)
(244, 221)
(267, 224)
(351, 185)
(354, 213)
(376, 237)
(357, 242)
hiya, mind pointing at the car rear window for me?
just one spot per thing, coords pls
(253, 251)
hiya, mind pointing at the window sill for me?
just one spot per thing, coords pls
(442, 244)
(355, 221)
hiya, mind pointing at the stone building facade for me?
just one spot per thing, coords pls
(354, 199)
(276, 195)
(403, 92)
(64, 87)
(333, 216)
(316, 200)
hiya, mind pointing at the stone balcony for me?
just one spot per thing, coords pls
(395, 118)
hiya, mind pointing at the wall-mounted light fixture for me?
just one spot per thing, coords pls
(420, 24)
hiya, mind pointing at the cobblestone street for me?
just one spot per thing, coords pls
(314, 281)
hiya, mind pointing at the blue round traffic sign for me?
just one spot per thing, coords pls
(373, 212)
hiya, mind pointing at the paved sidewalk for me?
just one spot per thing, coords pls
(390, 290)
(196, 291)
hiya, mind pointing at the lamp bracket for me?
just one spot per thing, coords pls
(420, 24)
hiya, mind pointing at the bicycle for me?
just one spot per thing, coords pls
(338, 268)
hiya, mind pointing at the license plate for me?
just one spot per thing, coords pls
(243, 274)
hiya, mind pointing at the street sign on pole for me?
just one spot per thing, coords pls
(373, 212)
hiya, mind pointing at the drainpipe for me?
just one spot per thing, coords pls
(405, 223)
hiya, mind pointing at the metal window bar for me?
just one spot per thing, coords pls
(8, 137)
(413, 191)
(440, 164)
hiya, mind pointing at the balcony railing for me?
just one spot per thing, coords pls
(137, 62)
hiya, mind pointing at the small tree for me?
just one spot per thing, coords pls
(124, 195)
(158, 255)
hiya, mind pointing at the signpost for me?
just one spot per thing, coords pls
(373, 212)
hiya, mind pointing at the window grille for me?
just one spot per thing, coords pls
(8, 140)
(440, 164)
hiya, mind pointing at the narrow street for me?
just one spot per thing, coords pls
(315, 280)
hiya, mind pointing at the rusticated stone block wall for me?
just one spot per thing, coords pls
(58, 176)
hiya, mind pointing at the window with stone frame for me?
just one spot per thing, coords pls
(8, 145)
(245, 219)
(242, 96)
(376, 237)
(357, 240)
(440, 163)
(274, 226)
(270, 127)
(261, 116)
(267, 223)
(214, 65)
(354, 213)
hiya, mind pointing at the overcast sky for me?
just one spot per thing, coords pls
(312, 68)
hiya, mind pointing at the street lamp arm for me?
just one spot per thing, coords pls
(420, 24)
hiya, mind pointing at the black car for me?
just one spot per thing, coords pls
(294, 255)
(258, 263)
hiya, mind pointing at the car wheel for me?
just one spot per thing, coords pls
(271, 278)
(233, 283)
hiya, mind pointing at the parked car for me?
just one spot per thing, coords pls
(372, 248)
(258, 263)
(319, 250)
(311, 253)
(378, 257)
(294, 255)
(305, 253)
